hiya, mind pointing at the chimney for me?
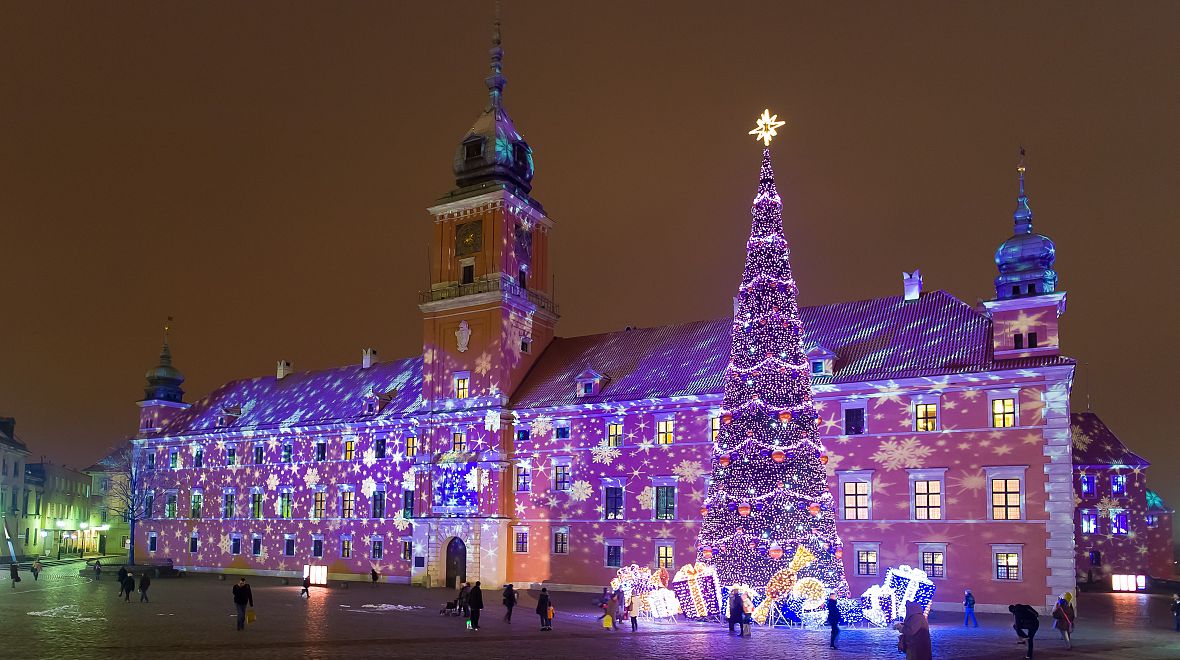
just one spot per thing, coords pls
(913, 284)
(8, 427)
(368, 357)
(283, 369)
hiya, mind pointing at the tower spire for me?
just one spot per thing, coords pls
(496, 81)
(1023, 214)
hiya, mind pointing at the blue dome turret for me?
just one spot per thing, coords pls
(1025, 260)
(164, 380)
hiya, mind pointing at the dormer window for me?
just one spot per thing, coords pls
(228, 415)
(817, 367)
(589, 383)
(820, 361)
(374, 402)
(520, 156)
(473, 149)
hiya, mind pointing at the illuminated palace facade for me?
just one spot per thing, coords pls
(505, 454)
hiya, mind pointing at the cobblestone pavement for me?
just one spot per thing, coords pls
(67, 616)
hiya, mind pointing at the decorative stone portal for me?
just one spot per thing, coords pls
(456, 563)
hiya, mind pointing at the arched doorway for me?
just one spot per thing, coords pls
(456, 563)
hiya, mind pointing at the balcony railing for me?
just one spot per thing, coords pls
(502, 283)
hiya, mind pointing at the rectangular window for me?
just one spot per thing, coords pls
(193, 542)
(407, 504)
(665, 502)
(152, 538)
(411, 446)
(561, 432)
(459, 441)
(927, 500)
(318, 504)
(1003, 413)
(1007, 566)
(854, 421)
(1005, 499)
(520, 540)
(1118, 485)
(462, 387)
(1032, 340)
(235, 545)
(173, 458)
(561, 541)
(714, 427)
(149, 504)
(170, 506)
(524, 479)
(1152, 520)
(407, 550)
(227, 510)
(856, 500)
(1018, 341)
(231, 456)
(288, 451)
(349, 450)
(664, 432)
(258, 449)
(664, 558)
(196, 500)
(612, 506)
(614, 435)
(321, 451)
(317, 547)
(379, 448)
(1118, 522)
(256, 545)
(1095, 558)
(934, 563)
(345, 548)
(199, 458)
(285, 504)
(926, 417)
(151, 461)
(377, 548)
(614, 554)
(347, 503)
(866, 562)
(256, 505)
(378, 502)
(1089, 522)
(522, 435)
(289, 545)
(561, 477)
(1087, 484)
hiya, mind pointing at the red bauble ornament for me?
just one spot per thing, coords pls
(823, 458)
(726, 418)
(778, 455)
(707, 552)
(814, 509)
(704, 511)
(744, 509)
(839, 554)
(775, 551)
(784, 416)
(723, 460)
(817, 422)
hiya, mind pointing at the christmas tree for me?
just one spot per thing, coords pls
(769, 518)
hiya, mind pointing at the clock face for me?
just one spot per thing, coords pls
(469, 238)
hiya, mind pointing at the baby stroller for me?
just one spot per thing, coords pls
(452, 608)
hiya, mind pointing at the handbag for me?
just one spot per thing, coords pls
(550, 613)
(250, 616)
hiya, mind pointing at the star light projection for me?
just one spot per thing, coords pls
(766, 128)
(768, 502)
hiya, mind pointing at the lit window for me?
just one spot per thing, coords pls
(258, 449)
(377, 548)
(561, 477)
(196, 501)
(461, 387)
(411, 446)
(285, 504)
(1118, 485)
(319, 503)
(524, 479)
(377, 500)
(664, 558)
(934, 563)
(1003, 413)
(1118, 522)
(927, 500)
(256, 504)
(665, 502)
(614, 435)
(1087, 484)
(856, 500)
(866, 562)
(664, 432)
(459, 441)
(288, 450)
(714, 428)
(614, 554)
(407, 550)
(561, 541)
(1007, 566)
(1005, 499)
(520, 537)
(926, 417)
(231, 456)
(227, 508)
(349, 450)
(613, 503)
(345, 548)
(347, 503)
(1089, 522)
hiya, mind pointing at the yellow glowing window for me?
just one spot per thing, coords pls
(928, 500)
(1003, 413)
(926, 416)
(318, 504)
(664, 556)
(714, 428)
(411, 446)
(458, 441)
(1005, 499)
(664, 432)
(856, 500)
(349, 450)
(614, 435)
(461, 388)
(347, 503)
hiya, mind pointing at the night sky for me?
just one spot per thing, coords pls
(261, 172)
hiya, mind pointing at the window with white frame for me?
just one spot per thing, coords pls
(235, 544)
(317, 545)
(926, 489)
(1151, 520)
(1007, 559)
(376, 547)
(855, 417)
(613, 553)
(407, 548)
(345, 547)
(524, 478)
(1003, 412)
(256, 545)
(1005, 485)
(561, 540)
(614, 434)
(561, 430)
(193, 542)
(458, 440)
(153, 538)
(174, 458)
(856, 494)
(867, 557)
(289, 545)
(932, 559)
(1089, 520)
(561, 473)
(664, 500)
(461, 382)
(665, 431)
(926, 414)
(520, 539)
(613, 507)
(665, 554)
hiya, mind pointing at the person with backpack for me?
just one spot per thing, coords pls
(1063, 616)
(545, 609)
(1028, 621)
(509, 602)
(969, 608)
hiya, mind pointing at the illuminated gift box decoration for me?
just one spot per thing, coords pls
(697, 590)
(643, 583)
(908, 584)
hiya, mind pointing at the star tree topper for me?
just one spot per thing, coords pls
(766, 127)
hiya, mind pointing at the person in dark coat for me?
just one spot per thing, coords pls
(475, 604)
(374, 576)
(128, 586)
(122, 579)
(97, 570)
(735, 614)
(14, 574)
(306, 586)
(242, 597)
(1176, 610)
(1027, 623)
(463, 591)
(833, 619)
(543, 605)
(144, 583)
(37, 566)
(969, 608)
(509, 601)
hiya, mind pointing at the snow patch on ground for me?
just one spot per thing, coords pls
(371, 608)
(66, 612)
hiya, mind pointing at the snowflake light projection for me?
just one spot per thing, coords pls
(768, 500)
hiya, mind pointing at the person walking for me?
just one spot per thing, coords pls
(603, 598)
(144, 583)
(128, 586)
(608, 610)
(14, 574)
(1063, 616)
(747, 626)
(545, 609)
(969, 608)
(633, 612)
(509, 602)
(463, 591)
(1176, 610)
(833, 619)
(915, 634)
(475, 604)
(306, 587)
(242, 598)
(374, 576)
(122, 579)
(37, 568)
(735, 610)
(97, 570)
(620, 608)
(1026, 625)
